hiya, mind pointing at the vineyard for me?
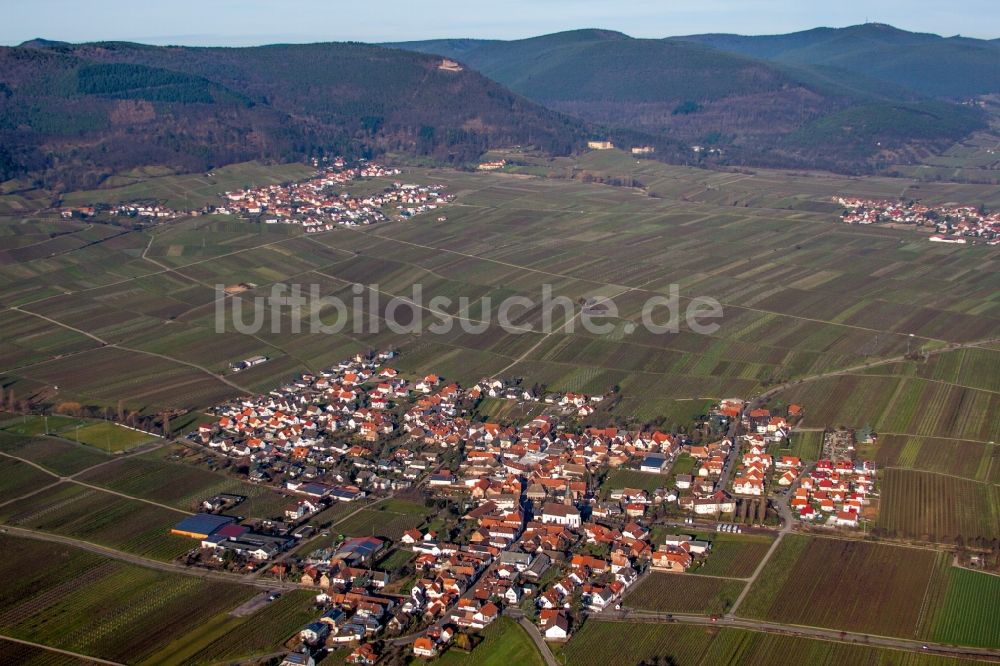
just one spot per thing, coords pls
(26, 655)
(935, 507)
(183, 486)
(74, 600)
(899, 404)
(229, 640)
(843, 584)
(56, 455)
(390, 519)
(978, 461)
(683, 593)
(970, 610)
(93, 515)
(18, 478)
(735, 555)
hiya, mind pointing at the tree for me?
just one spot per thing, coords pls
(762, 511)
(166, 425)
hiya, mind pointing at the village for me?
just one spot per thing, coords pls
(319, 204)
(549, 520)
(316, 204)
(953, 224)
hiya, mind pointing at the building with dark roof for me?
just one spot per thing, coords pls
(201, 525)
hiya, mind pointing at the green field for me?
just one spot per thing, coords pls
(389, 519)
(504, 643)
(73, 599)
(683, 593)
(631, 478)
(109, 437)
(968, 615)
(39, 425)
(599, 643)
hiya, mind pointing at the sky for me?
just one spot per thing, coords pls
(251, 22)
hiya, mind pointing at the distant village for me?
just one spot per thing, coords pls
(550, 518)
(953, 224)
(318, 204)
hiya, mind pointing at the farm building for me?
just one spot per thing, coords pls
(200, 525)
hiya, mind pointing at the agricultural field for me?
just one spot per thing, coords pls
(683, 593)
(504, 643)
(735, 555)
(18, 478)
(26, 655)
(396, 560)
(390, 519)
(974, 367)
(968, 614)
(600, 642)
(843, 584)
(31, 426)
(224, 638)
(937, 507)
(632, 478)
(806, 445)
(801, 293)
(152, 476)
(904, 405)
(109, 520)
(72, 599)
(56, 455)
(109, 437)
(187, 191)
(977, 461)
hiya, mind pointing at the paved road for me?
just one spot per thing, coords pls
(220, 576)
(49, 648)
(807, 632)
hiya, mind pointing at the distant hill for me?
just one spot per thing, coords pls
(754, 110)
(924, 63)
(73, 114)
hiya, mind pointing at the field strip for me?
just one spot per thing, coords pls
(925, 379)
(137, 351)
(614, 285)
(805, 631)
(437, 313)
(952, 439)
(953, 476)
(547, 335)
(49, 648)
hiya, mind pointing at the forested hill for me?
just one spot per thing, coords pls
(71, 114)
(754, 110)
(924, 63)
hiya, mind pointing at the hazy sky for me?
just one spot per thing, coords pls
(243, 22)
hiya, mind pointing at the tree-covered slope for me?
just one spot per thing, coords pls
(66, 110)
